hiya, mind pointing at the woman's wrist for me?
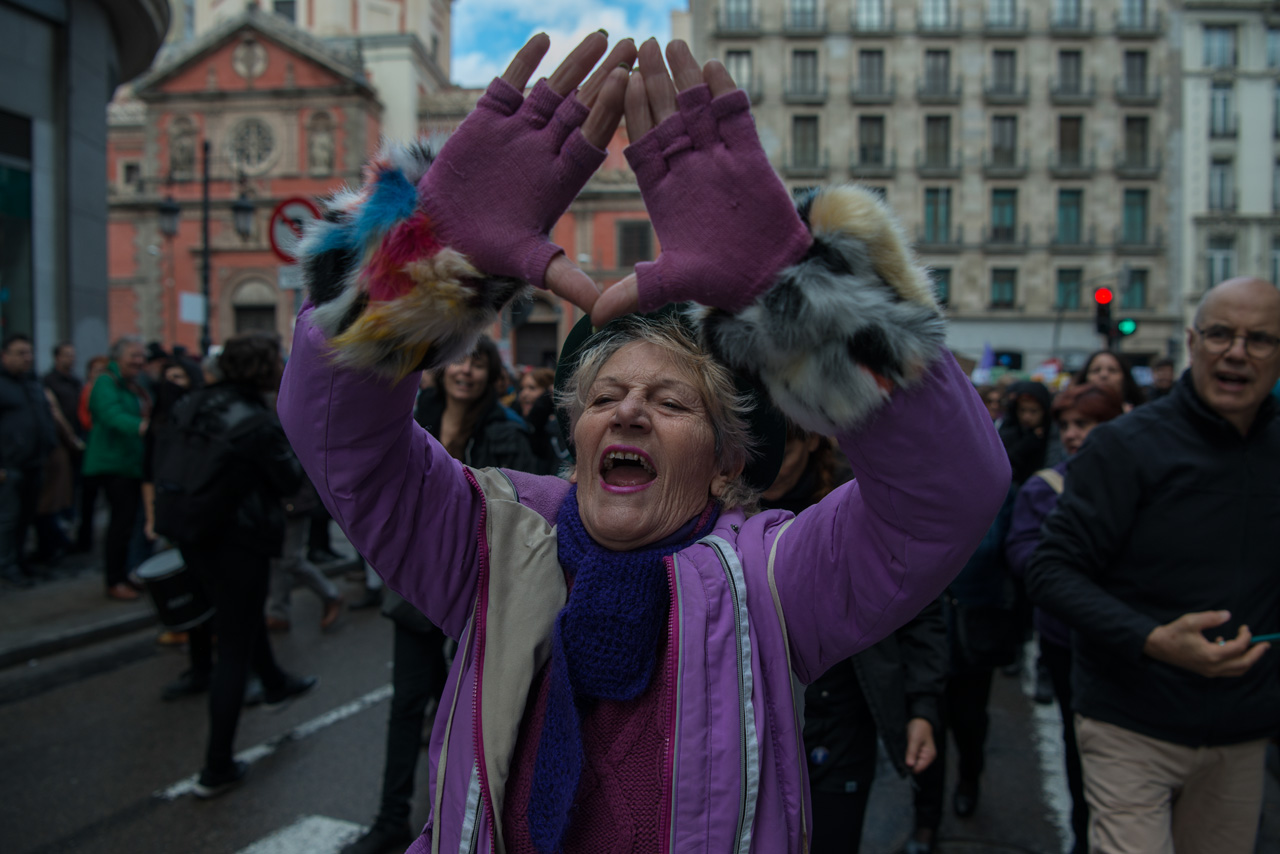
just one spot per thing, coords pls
(837, 332)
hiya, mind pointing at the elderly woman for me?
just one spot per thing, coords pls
(628, 637)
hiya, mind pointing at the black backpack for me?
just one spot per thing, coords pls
(200, 477)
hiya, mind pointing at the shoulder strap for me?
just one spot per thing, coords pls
(1053, 477)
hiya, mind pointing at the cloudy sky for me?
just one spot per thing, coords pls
(487, 33)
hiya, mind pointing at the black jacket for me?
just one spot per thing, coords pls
(1026, 448)
(66, 389)
(265, 462)
(27, 433)
(497, 440)
(900, 678)
(1167, 510)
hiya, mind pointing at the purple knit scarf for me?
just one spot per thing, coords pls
(603, 647)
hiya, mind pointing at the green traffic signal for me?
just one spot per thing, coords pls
(1127, 326)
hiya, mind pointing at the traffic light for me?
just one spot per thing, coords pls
(1127, 326)
(1102, 311)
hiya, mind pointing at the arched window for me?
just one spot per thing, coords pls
(254, 305)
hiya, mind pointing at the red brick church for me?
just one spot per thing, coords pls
(287, 116)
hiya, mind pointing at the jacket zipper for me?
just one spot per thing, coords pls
(482, 597)
(672, 676)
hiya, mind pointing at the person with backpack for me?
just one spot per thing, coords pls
(176, 379)
(222, 466)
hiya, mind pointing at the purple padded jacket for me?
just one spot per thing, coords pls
(760, 602)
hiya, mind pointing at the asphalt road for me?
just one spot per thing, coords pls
(94, 761)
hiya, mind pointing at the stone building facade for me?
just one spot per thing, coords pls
(1229, 221)
(1028, 148)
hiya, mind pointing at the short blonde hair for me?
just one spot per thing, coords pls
(727, 409)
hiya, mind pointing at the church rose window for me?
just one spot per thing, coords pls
(252, 144)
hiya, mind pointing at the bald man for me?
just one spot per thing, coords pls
(1162, 557)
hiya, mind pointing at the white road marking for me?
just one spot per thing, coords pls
(1047, 734)
(311, 834)
(302, 730)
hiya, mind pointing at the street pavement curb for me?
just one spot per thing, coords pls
(75, 637)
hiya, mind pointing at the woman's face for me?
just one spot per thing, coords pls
(645, 448)
(530, 391)
(995, 404)
(1105, 371)
(1030, 413)
(177, 376)
(132, 361)
(466, 380)
(1073, 427)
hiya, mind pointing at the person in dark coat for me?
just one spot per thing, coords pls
(63, 473)
(26, 438)
(1027, 434)
(1077, 410)
(465, 395)
(988, 613)
(1025, 429)
(1161, 558)
(892, 690)
(234, 563)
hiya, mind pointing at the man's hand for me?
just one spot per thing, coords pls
(1183, 644)
(921, 751)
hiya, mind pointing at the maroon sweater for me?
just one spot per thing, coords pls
(623, 788)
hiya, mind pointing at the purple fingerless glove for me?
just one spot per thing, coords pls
(506, 175)
(727, 225)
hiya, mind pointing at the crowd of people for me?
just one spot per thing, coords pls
(755, 468)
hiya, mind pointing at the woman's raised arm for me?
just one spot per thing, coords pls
(827, 305)
(405, 273)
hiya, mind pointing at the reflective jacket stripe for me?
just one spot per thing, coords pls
(471, 818)
(750, 758)
(463, 649)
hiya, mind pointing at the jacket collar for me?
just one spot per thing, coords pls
(1184, 395)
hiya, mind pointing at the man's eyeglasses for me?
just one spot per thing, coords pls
(1220, 339)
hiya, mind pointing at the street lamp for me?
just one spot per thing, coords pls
(206, 337)
(169, 213)
(242, 218)
(242, 214)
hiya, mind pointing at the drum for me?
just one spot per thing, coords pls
(177, 594)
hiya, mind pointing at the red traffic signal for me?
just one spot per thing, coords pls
(1102, 296)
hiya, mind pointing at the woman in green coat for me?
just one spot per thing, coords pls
(120, 408)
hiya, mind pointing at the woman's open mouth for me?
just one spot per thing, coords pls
(624, 469)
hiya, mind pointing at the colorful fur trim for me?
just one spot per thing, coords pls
(389, 297)
(838, 330)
